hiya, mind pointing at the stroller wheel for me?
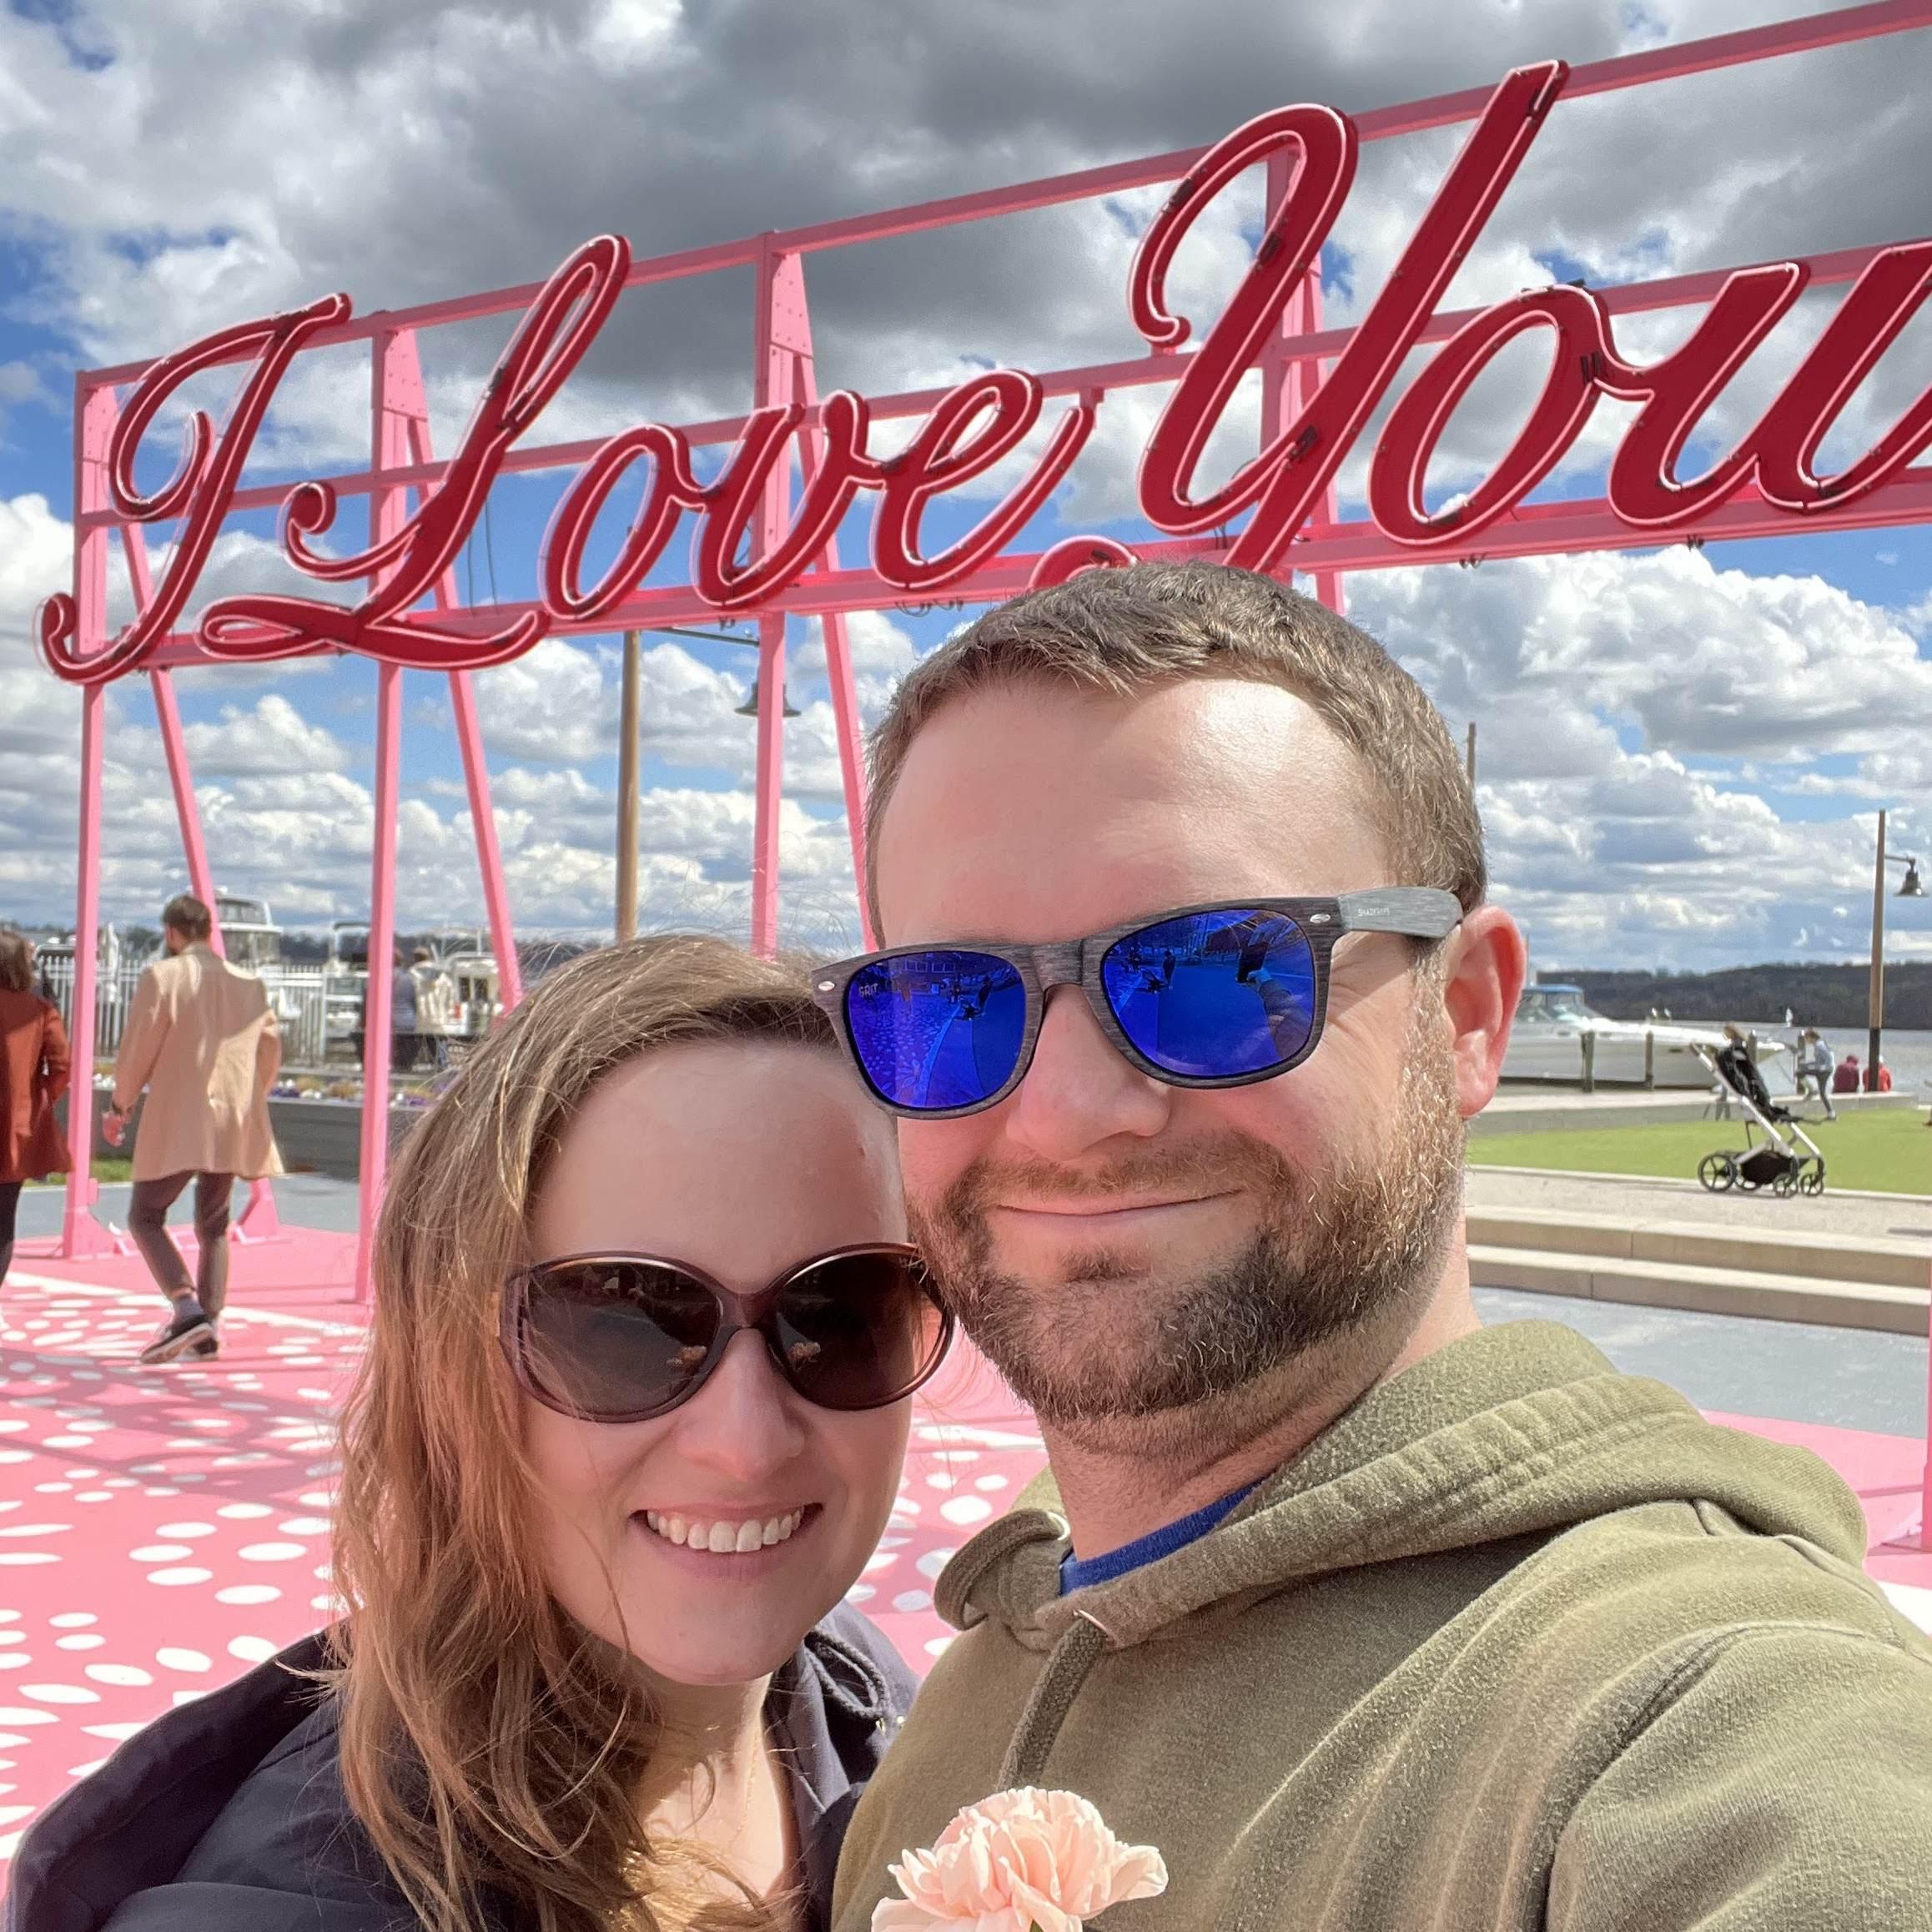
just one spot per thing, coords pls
(1786, 1184)
(1717, 1171)
(1812, 1179)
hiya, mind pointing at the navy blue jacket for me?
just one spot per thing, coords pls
(227, 1814)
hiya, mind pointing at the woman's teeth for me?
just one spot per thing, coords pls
(724, 1539)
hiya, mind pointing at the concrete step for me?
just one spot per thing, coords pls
(1877, 1261)
(1703, 1290)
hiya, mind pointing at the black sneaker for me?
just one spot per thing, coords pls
(189, 1328)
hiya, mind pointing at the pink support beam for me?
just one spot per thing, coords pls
(846, 721)
(81, 1232)
(783, 335)
(407, 398)
(393, 361)
(1291, 371)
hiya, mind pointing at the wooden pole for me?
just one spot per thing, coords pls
(1469, 757)
(627, 795)
(1875, 1006)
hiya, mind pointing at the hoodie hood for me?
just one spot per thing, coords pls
(1518, 1430)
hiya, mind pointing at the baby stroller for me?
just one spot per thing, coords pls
(1768, 1157)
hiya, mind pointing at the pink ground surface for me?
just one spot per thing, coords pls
(163, 1529)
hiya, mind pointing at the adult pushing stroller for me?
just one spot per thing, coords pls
(1769, 1157)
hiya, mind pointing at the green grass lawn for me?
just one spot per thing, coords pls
(1890, 1152)
(107, 1172)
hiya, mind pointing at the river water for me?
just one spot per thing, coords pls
(1907, 1052)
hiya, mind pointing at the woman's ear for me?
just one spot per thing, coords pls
(1488, 961)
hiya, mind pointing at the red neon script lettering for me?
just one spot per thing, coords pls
(204, 482)
(561, 325)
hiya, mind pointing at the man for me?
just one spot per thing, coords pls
(1845, 1078)
(1371, 1619)
(203, 1040)
(405, 1043)
(430, 992)
(1815, 1066)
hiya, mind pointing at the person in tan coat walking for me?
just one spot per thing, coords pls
(203, 1040)
(33, 1074)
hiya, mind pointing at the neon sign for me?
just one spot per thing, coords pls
(983, 420)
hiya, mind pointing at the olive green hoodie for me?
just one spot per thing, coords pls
(1517, 1642)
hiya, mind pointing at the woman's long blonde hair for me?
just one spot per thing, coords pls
(491, 1745)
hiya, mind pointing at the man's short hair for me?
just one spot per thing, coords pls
(421, 956)
(188, 916)
(1123, 632)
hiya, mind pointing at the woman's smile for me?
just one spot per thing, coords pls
(722, 1535)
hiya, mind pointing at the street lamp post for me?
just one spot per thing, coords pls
(627, 754)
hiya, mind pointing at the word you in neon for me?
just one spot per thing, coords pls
(980, 422)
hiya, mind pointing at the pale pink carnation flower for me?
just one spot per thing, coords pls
(1016, 1860)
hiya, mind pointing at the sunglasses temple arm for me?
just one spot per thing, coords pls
(1416, 912)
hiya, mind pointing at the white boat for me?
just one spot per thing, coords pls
(1553, 1021)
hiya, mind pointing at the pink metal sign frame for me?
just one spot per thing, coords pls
(1319, 386)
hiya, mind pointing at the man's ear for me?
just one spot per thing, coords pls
(1486, 963)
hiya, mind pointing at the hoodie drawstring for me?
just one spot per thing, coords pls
(1053, 1696)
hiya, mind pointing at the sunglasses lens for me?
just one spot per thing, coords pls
(859, 1331)
(1214, 994)
(935, 1030)
(609, 1339)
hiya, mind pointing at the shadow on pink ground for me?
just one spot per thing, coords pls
(162, 1530)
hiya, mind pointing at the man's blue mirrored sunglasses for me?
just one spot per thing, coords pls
(1208, 996)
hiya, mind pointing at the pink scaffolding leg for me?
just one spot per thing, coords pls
(375, 1039)
(396, 396)
(1289, 383)
(779, 322)
(82, 1233)
(838, 675)
(95, 410)
(404, 398)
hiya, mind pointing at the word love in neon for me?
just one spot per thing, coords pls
(975, 426)
(984, 419)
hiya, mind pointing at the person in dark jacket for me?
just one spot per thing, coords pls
(631, 1421)
(33, 1074)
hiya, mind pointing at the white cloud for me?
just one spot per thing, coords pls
(270, 738)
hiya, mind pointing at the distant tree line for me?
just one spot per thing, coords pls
(1821, 996)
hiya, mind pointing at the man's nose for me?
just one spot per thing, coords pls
(1080, 1090)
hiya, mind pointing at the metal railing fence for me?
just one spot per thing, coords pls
(297, 994)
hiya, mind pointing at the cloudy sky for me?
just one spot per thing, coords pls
(1682, 752)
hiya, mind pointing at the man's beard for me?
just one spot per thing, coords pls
(1333, 1254)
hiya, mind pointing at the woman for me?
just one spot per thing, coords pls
(33, 1074)
(630, 1425)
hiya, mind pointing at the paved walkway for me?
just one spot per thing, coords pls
(1892, 1216)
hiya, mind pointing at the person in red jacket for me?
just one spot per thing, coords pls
(1844, 1078)
(1881, 1081)
(33, 1074)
